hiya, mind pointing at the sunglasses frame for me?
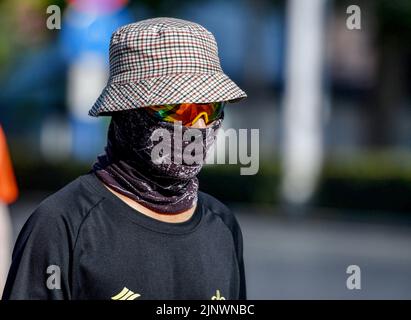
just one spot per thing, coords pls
(156, 112)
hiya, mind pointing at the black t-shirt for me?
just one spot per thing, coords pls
(83, 242)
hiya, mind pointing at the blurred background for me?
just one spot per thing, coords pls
(331, 101)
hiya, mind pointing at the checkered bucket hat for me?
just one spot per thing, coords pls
(164, 61)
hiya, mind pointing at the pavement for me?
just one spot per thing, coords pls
(307, 258)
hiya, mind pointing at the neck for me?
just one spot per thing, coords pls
(167, 217)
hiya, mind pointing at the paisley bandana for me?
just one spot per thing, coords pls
(166, 183)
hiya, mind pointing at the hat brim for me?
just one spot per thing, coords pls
(180, 88)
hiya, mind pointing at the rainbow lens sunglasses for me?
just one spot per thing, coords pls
(188, 113)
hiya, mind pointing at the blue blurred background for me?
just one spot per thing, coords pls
(317, 205)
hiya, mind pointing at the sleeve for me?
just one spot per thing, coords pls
(230, 220)
(41, 260)
(238, 236)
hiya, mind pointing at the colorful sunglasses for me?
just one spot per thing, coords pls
(188, 113)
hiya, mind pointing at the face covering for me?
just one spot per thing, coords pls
(129, 167)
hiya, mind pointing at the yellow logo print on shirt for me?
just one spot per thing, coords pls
(217, 296)
(126, 294)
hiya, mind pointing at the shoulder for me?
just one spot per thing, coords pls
(216, 207)
(77, 197)
(64, 210)
(81, 189)
(213, 203)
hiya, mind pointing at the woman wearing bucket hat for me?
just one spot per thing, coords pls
(136, 226)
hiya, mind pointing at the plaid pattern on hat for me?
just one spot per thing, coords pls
(163, 61)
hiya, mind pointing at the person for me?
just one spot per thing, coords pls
(136, 226)
(8, 194)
